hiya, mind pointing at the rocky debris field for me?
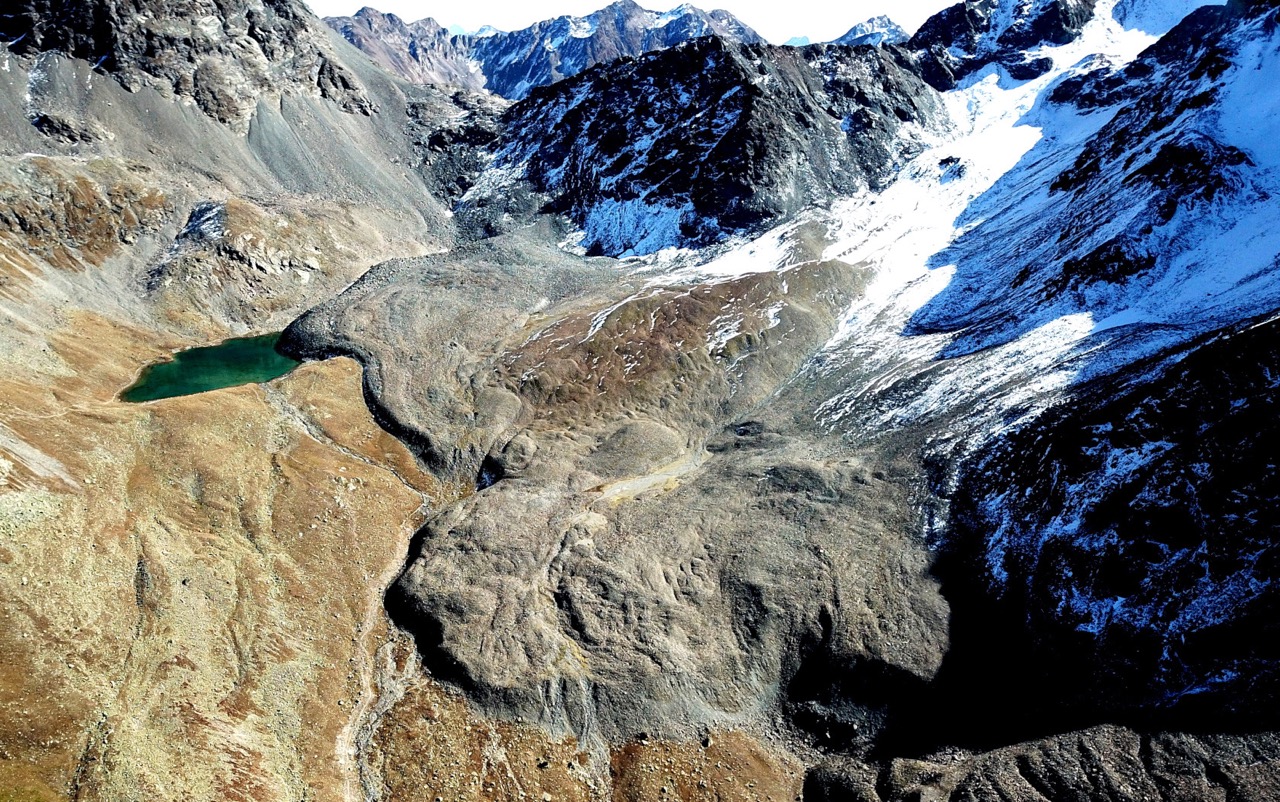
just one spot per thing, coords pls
(885, 421)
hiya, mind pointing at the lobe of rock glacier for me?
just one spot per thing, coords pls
(1052, 235)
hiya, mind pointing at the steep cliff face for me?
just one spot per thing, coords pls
(969, 35)
(1131, 530)
(1117, 535)
(1108, 298)
(224, 56)
(423, 52)
(512, 64)
(722, 139)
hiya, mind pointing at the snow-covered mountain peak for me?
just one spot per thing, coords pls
(512, 63)
(667, 16)
(878, 30)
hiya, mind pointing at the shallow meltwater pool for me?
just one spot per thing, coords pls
(244, 360)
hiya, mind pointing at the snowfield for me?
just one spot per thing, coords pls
(945, 320)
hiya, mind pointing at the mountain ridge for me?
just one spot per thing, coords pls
(223, 59)
(511, 63)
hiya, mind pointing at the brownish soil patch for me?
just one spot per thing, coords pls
(189, 588)
(74, 216)
(431, 746)
(724, 766)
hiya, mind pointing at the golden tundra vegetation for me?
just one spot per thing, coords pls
(191, 590)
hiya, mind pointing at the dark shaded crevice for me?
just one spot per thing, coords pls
(1004, 681)
(421, 445)
(1146, 756)
(91, 758)
(1033, 779)
(1217, 777)
(491, 472)
(990, 691)
(571, 614)
(843, 703)
(836, 781)
(406, 612)
(141, 583)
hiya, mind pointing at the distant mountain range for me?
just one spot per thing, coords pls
(512, 63)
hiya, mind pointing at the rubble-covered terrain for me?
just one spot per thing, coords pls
(880, 421)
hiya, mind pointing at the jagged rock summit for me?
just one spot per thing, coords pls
(879, 30)
(423, 52)
(511, 64)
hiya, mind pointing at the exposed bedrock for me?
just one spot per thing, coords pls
(223, 55)
(1106, 763)
(968, 36)
(721, 139)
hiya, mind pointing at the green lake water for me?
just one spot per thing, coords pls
(245, 360)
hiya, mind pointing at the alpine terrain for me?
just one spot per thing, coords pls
(511, 64)
(676, 416)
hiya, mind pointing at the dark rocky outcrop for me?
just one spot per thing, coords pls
(968, 36)
(1191, 48)
(721, 138)
(1106, 763)
(1126, 540)
(1115, 764)
(224, 55)
(454, 138)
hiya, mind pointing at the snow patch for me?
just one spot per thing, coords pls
(666, 18)
(582, 28)
(1248, 108)
(634, 227)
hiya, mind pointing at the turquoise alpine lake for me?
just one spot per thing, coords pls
(244, 360)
